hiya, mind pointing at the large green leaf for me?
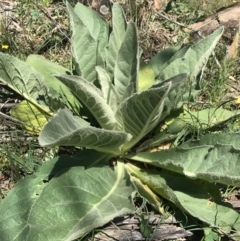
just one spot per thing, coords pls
(25, 80)
(140, 113)
(97, 26)
(119, 25)
(85, 158)
(214, 163)
(84, 47)
(92, 98)
(73, 203)
(48, 69)
(91, 158)
(190, 196)
(194, 59)
(64, 129)
(13, 226)
(126, 67)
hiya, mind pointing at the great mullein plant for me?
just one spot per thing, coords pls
(116, 110)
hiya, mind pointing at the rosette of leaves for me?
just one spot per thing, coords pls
(94, 44)
(70, 196)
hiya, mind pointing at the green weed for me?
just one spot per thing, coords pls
(48, 34)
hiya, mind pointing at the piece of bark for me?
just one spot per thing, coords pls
(158, 4)
(228, 17)
(233, 48)
(235, 204)
(127, 228)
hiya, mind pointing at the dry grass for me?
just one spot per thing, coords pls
(35, 29)
(43, 28)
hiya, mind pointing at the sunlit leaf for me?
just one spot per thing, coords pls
(33, 117)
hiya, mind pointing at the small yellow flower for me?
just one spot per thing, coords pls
(237, 101)
(5, 46)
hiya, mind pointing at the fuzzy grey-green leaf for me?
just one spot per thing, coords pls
(140, 113)
(194, 59)
(84, 47)
(116, 37)
(108, 89)
(126, 67)
(92, 98)
(214, 163)
(64, 129)
(67, 207)
(97, 26)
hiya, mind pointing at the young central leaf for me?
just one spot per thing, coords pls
(119, 25)
(97, 27)
(108, 89)
(125, 73)
(83, 42)
(92, 98)
(140, 113)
